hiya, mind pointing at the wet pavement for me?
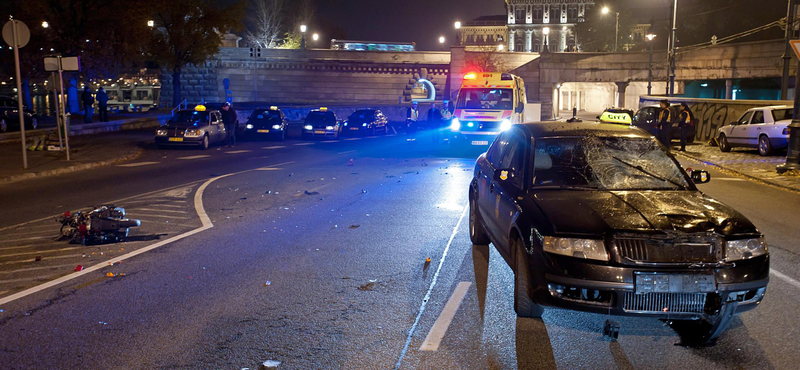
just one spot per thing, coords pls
(317, 257)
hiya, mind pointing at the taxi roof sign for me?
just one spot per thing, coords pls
(323, 109)
(616, 116)
(200, 108)
(273, 108)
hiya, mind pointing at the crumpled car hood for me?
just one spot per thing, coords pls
(599, 212)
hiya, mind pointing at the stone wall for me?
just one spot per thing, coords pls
(713, 113)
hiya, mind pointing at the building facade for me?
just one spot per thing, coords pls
(529, 26)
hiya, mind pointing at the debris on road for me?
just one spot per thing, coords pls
(38, 258)
(350, 162)
(268, 283)
(78, 268)
(109, 274)
(611, 329)
(428, 260)
(311, 192)
(363, 191)
(270, 364)
(368, 286)
(355, 226)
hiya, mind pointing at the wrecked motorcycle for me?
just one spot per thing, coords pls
(103, 224)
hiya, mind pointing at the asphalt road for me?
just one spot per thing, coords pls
(296, 256)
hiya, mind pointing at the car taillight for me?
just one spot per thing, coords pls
(786, 131)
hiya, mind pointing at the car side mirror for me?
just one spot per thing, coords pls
(700, 176)
(503, 174)
(734, 123)
(598, 117)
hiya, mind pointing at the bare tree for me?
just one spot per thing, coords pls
(266, 20)
(485, 58)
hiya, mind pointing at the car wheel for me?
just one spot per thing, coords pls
(764, 146)
(3, 126)
(204, 144)
(698, 332)
(476, 231)
(723, 143)
(523, 304)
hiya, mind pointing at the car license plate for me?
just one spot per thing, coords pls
(319, 132)
(263, 131)
(674, 283)
(354, 128)
(176, 139)
(480, 142)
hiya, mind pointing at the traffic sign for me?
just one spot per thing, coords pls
(796, 47)
(23, 33)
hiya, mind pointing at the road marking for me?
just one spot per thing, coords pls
(48, 258)
(329, 141)
(195, 156)
(274, 147)
(728, 179)
(439, 328)
(353, 138)
(36, 268)
(39, 252)
(16, 247)
(238, 151)
(430, 289)
(268, 169)
(371, 137)
(137, 164)
(303, 144)
(33, 238)
(349, 151)
(154, 210)
(785, 278)
(144, 217)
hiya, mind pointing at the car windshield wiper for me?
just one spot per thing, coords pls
(642, 170)
(567, 187)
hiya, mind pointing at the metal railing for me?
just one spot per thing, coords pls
(182, 105)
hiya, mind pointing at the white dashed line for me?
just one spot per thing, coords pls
(353, 138)
(349, 151)
(134, 210)
(274, 147)
(39, 252)
(785, 278)
(329, 141)
(439, 328)
(195, 156)
(303, 144)
(728, 179)
(238, 151)
(137, 164)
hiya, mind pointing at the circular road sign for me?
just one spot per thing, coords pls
(23, 33)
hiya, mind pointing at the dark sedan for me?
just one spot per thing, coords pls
(600, 218)
(270, 123)
(321, 123)
(647, 117)
(192, 127)
(9, 116)
(366, 121)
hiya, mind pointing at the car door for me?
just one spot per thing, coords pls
(509, 187)
(738, 133)
(487, 197)
(646, 119)
(753, 130)
(216, 127)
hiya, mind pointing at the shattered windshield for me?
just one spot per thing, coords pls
(610, 163)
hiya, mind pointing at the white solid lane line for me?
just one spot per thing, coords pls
(728, 179)
(153, 210)
(238, 151)
(37, 268)
(39, 252)
(303, 144)
(439, 328)
(147, 216)
(274, 147)
(329, 141)
(195, 156)
(785, 278)
(137, 164)
(349, 151)
(353, 138)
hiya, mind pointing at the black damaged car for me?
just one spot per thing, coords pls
(601, 218)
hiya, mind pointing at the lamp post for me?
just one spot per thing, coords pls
(303, 30)
(650, 37)
(616, 29)
(315, 38)
(441, 43)
(545, 31)
(500, 47)
(45, 24)
(672, 49)
(457, 26)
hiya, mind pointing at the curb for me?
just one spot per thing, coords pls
(77, 129)
(70, 169)
(738, 173)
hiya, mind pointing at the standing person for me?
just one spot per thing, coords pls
(229, 120)
(412, 118)
(686, 119)
(434, 121)
(665, 124)
(88, 102)
(102, 102)
(444, 120)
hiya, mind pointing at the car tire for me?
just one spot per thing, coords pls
(3, 126)
(204, 145)
(476, 231)
(764, 146)
(723, 143)
(523, 304)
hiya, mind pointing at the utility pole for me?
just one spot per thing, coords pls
(793, 151)
(616, 34)
(787, 52)
(672, 49)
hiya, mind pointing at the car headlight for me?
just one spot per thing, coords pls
(345, 123)
(743, 249)
(249, 126)
(329, 127)
(505, 125)
(581, 248)
(364, 124)
(455, 125)
(161, 132)
(276, 127)
(308, 127)
(193, 132)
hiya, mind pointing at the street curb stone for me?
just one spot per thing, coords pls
(739, 173)
(70, 169)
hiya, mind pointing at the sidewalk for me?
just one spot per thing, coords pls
(745, 162)
(120, 122)
(86, 152)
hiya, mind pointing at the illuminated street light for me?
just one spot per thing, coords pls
(650, 37)
(315, 37)
(45, 24)
(303, 28)
(441, 43)
(616, 29)
(151, 23)
(500, 47)
(546, 31)
(605, 10)
(457, 25)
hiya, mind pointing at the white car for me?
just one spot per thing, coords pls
(763, 128)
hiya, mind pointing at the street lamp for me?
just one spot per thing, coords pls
(457, 26)
(303, 30)
(441, 43)
(545, 31)
(616, 29)
(500, 47)
(315, 37)
(151, 23)
(650, 37)
(45, 24)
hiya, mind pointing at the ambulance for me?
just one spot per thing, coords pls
(489, 103)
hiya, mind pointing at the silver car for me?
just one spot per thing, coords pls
(763, 128)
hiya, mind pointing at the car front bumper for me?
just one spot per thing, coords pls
(473, 138)
(179, 140)
(581, 285)
(262, 132)
(319, 133)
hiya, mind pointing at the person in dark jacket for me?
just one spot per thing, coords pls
(412, 120)
(229, 120)
(102, 102)
(665, 124)
(686, 119)
(88, 101)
